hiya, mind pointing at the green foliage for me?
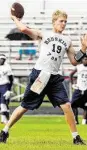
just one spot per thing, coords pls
(42, 133)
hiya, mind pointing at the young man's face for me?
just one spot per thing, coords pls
(84, 61)
(59, 24)
(2, 61)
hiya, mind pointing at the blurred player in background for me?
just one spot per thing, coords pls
(6, 81)
(79, 97)
(44, 78)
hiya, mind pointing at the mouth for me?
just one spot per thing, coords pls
(62, 28)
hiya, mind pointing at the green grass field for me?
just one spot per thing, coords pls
(42, 133)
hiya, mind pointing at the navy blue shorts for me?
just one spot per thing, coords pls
(79, 99)
(3, 89)
(54, 90)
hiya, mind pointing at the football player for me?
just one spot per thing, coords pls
(6, 81)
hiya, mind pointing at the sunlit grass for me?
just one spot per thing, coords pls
(42, 133)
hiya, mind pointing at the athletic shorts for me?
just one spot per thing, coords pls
(3, 89)
(54, 90)
(79, 99)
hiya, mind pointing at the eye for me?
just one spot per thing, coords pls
(63, 21)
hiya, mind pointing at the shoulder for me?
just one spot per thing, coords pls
(67, 38)
(7, 66)
(46, 33)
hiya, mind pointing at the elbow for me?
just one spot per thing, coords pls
(74, 63)
(23, 29)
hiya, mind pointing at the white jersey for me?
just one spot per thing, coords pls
(5, 71)
(52, 50)
(82, 77)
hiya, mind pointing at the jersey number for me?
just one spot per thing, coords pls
(56, 48)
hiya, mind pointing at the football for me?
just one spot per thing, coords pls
(17, 10)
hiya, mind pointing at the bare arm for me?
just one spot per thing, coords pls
(71, 52)
(72, 74)
(34, 34)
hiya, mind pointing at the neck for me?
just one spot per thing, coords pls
(56, 31)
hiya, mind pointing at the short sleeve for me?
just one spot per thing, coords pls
(9, 70)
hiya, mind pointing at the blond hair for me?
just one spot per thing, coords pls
(57, 14)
